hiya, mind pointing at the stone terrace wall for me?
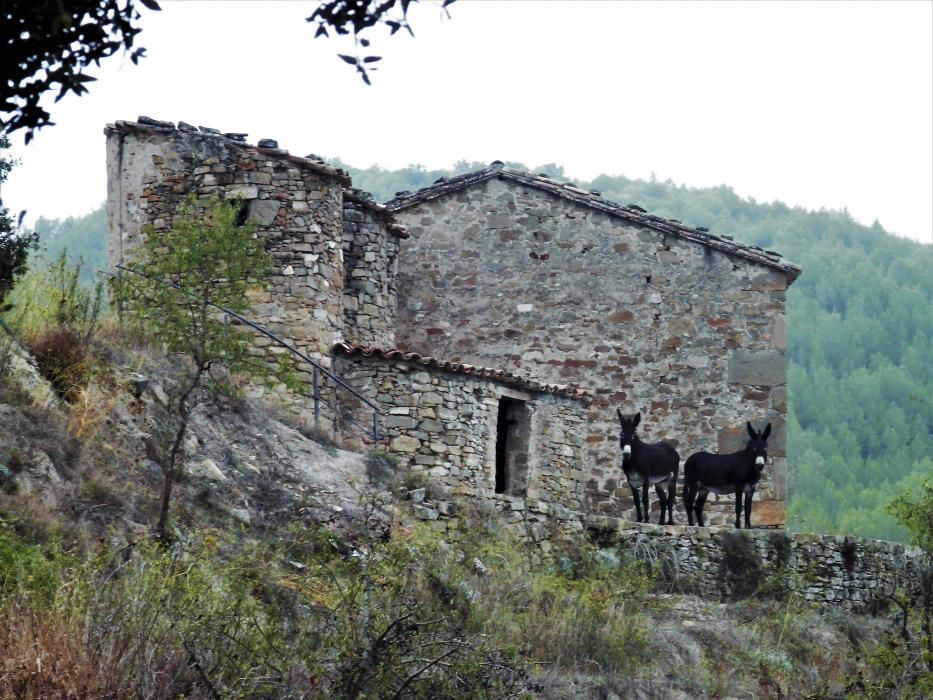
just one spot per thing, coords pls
(370, 254)
(443, 425)
(723, 562)
(297, 202)
(505, 274)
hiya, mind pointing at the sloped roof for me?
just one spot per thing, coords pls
(498, 375)
(268, 148)
(630, 213)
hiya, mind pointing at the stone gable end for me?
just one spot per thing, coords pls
(506, 274)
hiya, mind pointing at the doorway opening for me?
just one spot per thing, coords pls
(512, 440)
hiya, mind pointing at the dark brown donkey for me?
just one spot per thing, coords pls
(648, 463)
(736, 473)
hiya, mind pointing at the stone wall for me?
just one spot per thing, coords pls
(443, 425)
(298, 204)
(335, 249)
(722, 563)
(694, 338)
(370, 254)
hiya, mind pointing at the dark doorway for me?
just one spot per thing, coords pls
(512, 438)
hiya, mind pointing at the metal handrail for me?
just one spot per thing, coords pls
(292, 349)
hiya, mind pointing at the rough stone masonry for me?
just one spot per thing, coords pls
(541, 277)
(545, 280)
(503, 268)
(335, 249)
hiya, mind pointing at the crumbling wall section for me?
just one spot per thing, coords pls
(297, 202)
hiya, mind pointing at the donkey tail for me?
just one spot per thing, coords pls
(673, 495)
(690, 485)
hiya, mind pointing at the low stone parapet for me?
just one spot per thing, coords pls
(837, 570)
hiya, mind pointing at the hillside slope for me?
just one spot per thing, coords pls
(297, 572)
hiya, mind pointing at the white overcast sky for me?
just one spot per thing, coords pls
(818, 104)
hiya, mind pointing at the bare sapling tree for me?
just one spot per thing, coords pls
(914, 511)
(208, 258)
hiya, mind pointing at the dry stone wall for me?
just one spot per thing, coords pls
(443, 427)
(726, 563)
(694, 338)
(370, 253)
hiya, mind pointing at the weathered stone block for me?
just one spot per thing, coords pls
(498, 221)
(769, 281)
(779, 398)
(404, 443)
(779, 333)
(757, 368)
(424, 512)
(768, 513)
(396, 421)
(264, 211)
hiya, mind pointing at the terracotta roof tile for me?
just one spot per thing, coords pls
(498, 375)
(631, 213)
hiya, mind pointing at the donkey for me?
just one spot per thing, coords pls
(646, 464)
(736, 473)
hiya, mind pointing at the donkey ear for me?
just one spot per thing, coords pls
(766, 432)
(621, 417)
(637, 419)
(751, 430)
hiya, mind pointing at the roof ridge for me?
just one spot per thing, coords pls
(594, 199)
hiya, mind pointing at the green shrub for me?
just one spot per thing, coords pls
(28, 568)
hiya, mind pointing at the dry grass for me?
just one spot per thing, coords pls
(62, 358)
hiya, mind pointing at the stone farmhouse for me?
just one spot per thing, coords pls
(648, 314)
(549, 306)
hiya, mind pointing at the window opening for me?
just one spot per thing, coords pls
(242, 214)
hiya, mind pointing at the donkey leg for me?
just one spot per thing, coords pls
(698, 508)
(671, 496)
(637, 503)
(738, 507)
(662, 497)
(644, 500)
(748, 508)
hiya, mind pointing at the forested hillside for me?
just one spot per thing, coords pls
(860, 329)
(80, 237)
